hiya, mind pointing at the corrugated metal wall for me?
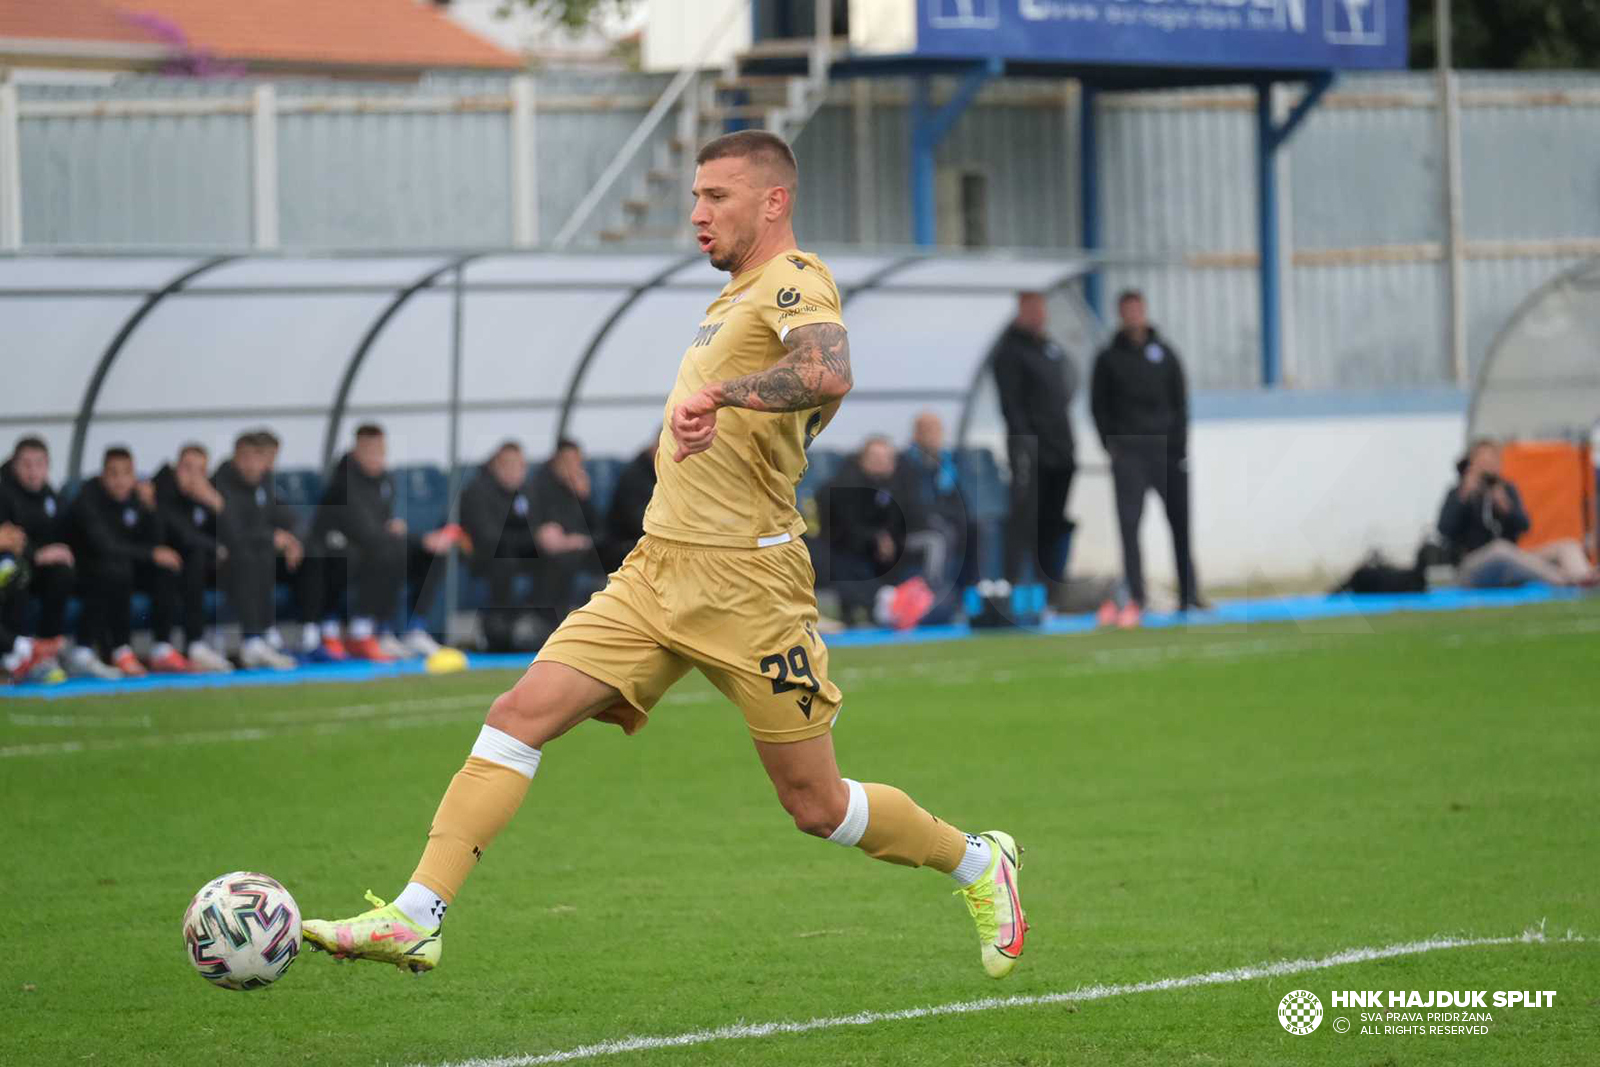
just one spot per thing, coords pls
(1363, 216)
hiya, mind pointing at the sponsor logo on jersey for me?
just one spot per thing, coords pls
(788, 297)
(704, 334)
(799, 264)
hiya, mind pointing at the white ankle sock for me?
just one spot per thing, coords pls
(975, 862)
(310, 637)
(162, 648)
(274, 638)
(421, 905)
(253, 646)
(362, 628)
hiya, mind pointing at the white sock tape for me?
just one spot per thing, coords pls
(855, 817)
(497, 746)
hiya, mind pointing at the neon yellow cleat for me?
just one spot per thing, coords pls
(383, 935)
(995, 904)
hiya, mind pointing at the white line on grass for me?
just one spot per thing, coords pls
(743, 1031)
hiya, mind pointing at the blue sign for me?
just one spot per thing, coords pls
(1253, 34)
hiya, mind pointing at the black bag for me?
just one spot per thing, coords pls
(1378, 575)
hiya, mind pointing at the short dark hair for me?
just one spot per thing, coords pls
(193, 446)
(25, 443)
(115, 452)
(564, 443)
(1129, 294)
(767, 149)
(510, 444)
(368, 429)
(266, 438)
(247, 439)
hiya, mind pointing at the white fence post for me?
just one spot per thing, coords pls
(10, 167)
(524, 163)
(264, 165)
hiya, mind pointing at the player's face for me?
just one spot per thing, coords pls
(1132, 312)
(32, 468)
(117, 477)
(730, 204)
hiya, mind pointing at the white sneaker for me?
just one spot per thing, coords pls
(421, 643)
(393, 648)
(256, 653)
(83, 663)
(203, 659)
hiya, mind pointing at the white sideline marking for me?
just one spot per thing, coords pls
(742, 1031)
(319, 726)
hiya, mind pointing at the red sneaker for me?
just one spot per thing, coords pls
(170, 662)
(1107, 615)
(129, 664)
(334, 650)
(367, 648)
(1130, 616)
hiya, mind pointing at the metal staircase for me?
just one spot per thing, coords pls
(774, 85)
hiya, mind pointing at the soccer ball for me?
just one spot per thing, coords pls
(242, 930)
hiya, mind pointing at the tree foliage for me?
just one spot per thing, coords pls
(1511, 34)
(575, 14)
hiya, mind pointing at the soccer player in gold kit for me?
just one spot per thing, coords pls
(720, 582)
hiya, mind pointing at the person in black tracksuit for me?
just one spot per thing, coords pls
(244, 529)
(496, 513)
(564, 524)
(118, 541)
(355, 521)
(868, 510)
(625, 518)
(187, 504)
(1036, 380)
(1141, 410)
(31, 503)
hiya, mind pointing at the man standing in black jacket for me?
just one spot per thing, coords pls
(1141, 410)
(188, 504)
(117, 537)
(30, 502)
(1036, 380)
(497, 515)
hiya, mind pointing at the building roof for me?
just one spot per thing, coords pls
(261, 34)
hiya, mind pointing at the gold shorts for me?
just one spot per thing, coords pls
(745, 617)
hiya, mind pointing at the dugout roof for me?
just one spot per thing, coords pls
(154, 351)
(1541, 377)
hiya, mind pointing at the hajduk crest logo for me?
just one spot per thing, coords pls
(1300, 1012)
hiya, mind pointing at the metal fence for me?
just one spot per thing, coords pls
(156, 163)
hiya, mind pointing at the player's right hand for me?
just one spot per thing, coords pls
(694, 424)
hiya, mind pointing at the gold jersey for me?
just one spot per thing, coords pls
(739, 493)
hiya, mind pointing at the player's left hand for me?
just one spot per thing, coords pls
(694, 423)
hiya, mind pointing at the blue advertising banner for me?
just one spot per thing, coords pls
(1255, 34)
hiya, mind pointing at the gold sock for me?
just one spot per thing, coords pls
(482, 798)
(900, 832)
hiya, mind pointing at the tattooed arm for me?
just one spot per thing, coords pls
(815, 373)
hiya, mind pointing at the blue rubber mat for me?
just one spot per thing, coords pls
(1228, 613)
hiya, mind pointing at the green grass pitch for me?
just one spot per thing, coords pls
(1191, 801)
